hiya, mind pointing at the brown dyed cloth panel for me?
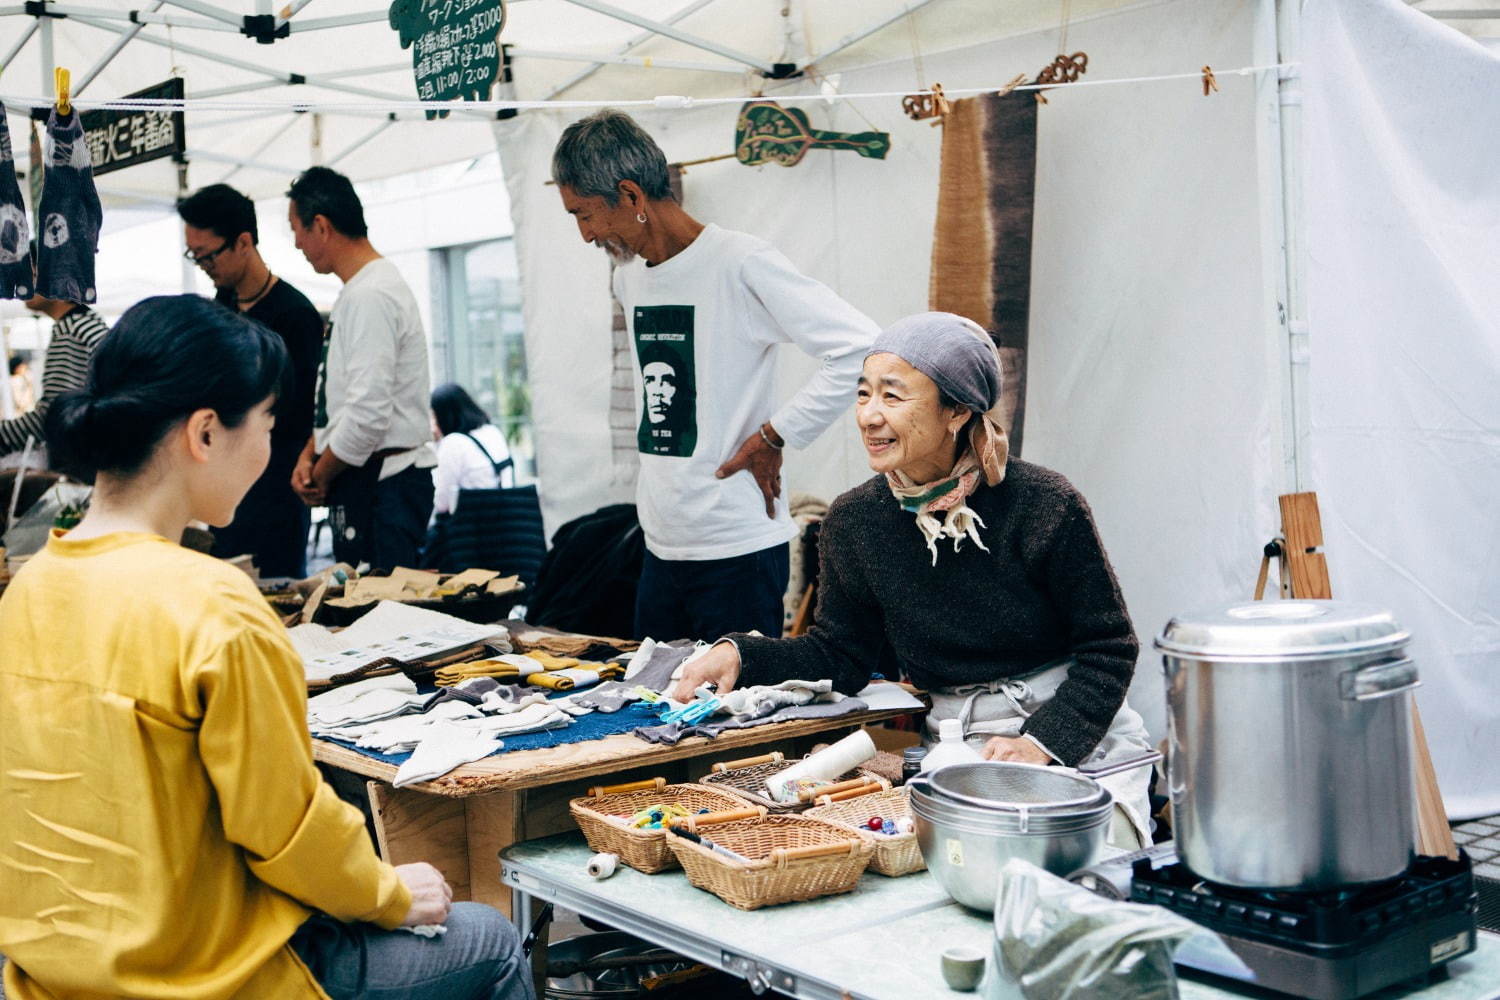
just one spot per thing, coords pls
(981, 247)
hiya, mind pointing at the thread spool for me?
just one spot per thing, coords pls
(602, 866)
(825, 765)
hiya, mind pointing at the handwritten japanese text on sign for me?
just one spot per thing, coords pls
(455, 46)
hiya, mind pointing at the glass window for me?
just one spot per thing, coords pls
(477, 339)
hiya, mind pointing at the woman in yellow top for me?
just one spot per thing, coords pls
(164, 832)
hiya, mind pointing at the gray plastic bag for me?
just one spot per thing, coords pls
(1058, 941)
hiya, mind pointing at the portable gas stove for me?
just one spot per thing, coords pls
(1329, 945)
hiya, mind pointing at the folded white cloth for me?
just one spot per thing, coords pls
(495, 703)
(762, 699)
(376, 703)
(445, 745)
(530, 719)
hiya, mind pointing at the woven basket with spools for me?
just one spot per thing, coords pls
(895, 854)
(599, 816)
(747, 779)
(770, 859)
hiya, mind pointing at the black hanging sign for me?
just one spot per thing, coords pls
(120, 139)
(455, 46)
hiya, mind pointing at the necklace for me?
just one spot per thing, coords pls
(260, 294)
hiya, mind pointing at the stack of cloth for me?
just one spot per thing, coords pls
(536, 668)
(441, 731)
(761, 705)
(525, 638)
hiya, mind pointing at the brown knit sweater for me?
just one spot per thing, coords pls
(1043, 591)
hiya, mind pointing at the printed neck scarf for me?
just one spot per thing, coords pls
(984, 456)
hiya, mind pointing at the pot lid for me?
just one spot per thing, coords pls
(1279, 629)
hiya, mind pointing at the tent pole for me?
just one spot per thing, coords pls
(208, 10)
(667, 31)
(46, 56)
(517, 52)
(15, 49)
(859, 36)
(1289, 86)
(114, 50)
(1278, 181)
(634, 42)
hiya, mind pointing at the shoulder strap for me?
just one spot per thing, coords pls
(498, 466)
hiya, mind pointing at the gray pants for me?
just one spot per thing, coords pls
(479, 958)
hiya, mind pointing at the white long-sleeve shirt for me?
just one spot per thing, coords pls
(373, 384)
(704, 326)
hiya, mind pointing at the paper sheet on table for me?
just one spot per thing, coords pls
(390, 629)
(885, 697)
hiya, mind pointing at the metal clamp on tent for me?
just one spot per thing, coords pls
(263, 28)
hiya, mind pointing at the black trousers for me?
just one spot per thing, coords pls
(380, 521)
(710, 598)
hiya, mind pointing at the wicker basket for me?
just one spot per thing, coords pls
(896, 854)
(644, 850)
(747, 779)
(787, 859)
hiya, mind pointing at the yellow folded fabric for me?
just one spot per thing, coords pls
(550, 681)
(498, 669)
(550, 662)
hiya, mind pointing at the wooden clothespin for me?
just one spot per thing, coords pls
(1209, 83)
(64, 85)
(1019, 80)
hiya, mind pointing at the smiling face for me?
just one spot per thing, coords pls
(613, 228)
(902, 421)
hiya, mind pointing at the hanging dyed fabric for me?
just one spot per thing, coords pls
(16, 279)
(70, 215)
(981, 245)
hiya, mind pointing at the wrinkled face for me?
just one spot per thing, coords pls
(311, 240)
(615, 229)
(661, 388)
(902, 422)
(224, 261)
(235, 465)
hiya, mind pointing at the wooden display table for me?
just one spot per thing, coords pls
(461, 821)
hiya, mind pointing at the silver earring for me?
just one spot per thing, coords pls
(640, 217)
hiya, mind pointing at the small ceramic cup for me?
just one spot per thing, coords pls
(963, 968)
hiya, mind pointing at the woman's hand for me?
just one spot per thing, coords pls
(431, 895)
(1017, 751)
(721, 664)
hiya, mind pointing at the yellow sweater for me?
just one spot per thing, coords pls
(163, 831)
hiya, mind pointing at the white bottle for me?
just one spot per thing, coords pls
(950, 747)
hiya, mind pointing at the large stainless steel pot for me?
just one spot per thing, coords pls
(971, 818)
(1289, 747)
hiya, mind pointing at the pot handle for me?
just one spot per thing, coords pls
(1130, 763)
(1379, 680)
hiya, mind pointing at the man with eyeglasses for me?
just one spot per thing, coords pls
(219, 229)
(76, 331)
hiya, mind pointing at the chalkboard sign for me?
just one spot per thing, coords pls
(765, 132)
(455, 46)
(120, 139)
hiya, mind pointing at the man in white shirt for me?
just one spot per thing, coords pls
(370, 457)
(705, 308)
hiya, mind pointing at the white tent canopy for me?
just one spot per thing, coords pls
(1174, 374)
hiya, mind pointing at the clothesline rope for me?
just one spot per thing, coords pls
(666, 101)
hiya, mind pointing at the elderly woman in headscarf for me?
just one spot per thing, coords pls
(984, 575)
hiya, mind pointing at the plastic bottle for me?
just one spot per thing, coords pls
(950, 748)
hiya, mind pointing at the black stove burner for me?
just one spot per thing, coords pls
(1330, 945)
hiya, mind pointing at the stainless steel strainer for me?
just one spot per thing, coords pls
(1013, 786)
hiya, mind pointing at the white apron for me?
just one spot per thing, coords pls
(1001, 708)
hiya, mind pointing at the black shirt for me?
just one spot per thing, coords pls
(288, 312)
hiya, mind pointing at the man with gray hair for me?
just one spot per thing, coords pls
(708, 305)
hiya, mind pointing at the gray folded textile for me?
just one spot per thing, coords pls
(471, 691)
(609, 697)
(656, 674)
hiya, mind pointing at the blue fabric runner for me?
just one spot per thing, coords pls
(593, 726)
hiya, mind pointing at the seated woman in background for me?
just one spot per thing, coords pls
(472, 453)
(1021, 633)
(166, 832)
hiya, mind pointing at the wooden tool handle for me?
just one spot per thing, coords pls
(632, 786)
(735, 765)
(850, 793)
(783, 854)
(727, 816)
(835, 792)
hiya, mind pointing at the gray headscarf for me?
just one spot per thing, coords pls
(958, 355)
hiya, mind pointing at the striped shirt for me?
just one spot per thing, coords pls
(74, 338)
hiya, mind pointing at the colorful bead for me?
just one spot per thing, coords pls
(888, 828)
(874, 822)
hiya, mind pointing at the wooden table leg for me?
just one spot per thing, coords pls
(412, 826)
(493, 822)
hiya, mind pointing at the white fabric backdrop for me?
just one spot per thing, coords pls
(1402, 138)
(1153, 381)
